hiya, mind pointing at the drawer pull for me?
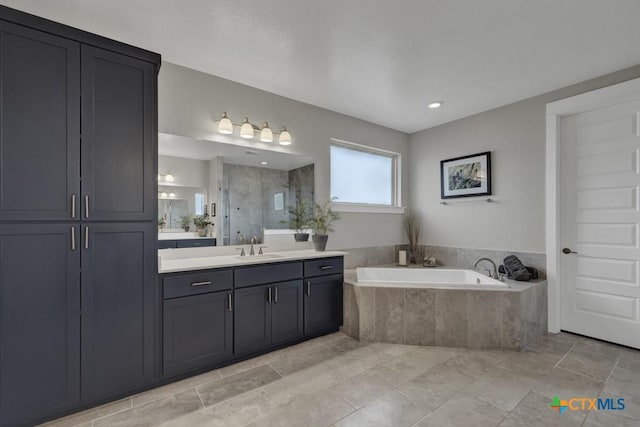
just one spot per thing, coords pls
(73, 206)
(275, 295)
(86, 206)
(308, 288)
(229, 303)
(73, 238)
(200, 284)
(326, 267)
(269, 295)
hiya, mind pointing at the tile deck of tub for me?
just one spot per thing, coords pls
(337, 381)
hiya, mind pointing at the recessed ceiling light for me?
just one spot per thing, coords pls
(264, 163)
(436, 104)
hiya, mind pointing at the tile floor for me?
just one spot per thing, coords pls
(337, 381)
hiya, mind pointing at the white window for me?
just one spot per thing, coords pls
(364, 179)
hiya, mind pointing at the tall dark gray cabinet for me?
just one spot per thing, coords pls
(78, 234)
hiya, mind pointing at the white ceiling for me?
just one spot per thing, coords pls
(200, 149)
(381, 61)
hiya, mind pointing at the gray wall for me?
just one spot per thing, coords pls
(515, 134)
(189, 101)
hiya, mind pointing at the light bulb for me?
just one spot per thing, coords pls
(246, 131)
(285, 136)
(168, 177)
(172, 195)
(436, 104)
(224, 125)
(266, 135)
(163, 194)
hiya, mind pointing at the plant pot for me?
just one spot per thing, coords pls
(320, 241)
(202, 232)
(301, 237)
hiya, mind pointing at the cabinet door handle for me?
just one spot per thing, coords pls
(229, 302)
(200, 284)
(275, 295)
(86, 237)
(269, 295)
(73, 206)
(86, 206)
(309, 288)
(73, 238)
(326, 267)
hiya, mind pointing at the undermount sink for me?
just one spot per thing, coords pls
(258, 257)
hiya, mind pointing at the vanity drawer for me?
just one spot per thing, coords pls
(195, 243)
(167, 244)
(267, 273)
(323, 267)
(182, 285)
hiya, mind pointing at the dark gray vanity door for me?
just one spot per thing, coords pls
(287, 322)
(118, 295)
(40, 120)
(252, 319)
(323, 304)
(39, 321)
(198, 331)
(118, 136)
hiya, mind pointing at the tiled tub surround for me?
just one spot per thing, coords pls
(508, 319)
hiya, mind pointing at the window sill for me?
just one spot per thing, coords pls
(364, 208)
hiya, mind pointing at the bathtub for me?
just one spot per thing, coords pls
(425, 278)
(445, 307)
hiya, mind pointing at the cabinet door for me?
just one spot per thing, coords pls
(323, 304)
(286, 312)
(118, 136)
(118, 296)
(198, 331)
(39, 322)
(252, 319)
(40, 120)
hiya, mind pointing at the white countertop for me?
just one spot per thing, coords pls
(203, 263)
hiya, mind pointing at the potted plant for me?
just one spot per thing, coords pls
(202, 222)
(161, 223)
(322, 224)
(300, 220)
(185, 221)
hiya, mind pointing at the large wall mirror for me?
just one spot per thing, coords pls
(245, 191)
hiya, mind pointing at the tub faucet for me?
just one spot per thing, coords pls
(493, 275)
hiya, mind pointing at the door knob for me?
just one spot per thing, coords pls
(568, 251)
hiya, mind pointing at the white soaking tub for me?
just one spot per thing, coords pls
(425, 278)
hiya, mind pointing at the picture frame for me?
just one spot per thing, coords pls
(466, 176)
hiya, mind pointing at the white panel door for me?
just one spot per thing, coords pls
(600, 220)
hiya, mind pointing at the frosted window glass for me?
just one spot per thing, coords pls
(361, 177)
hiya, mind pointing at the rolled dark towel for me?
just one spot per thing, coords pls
(516, 269)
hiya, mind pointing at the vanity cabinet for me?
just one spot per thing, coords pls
(323, 295)
(197, 320)
(78, 148)
(267, 315)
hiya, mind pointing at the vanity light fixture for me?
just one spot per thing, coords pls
(169, 177)
(285, 136)
(436, 104)
(248, 131)
(266, 135)
(225, 126)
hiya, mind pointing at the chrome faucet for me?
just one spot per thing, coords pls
(493, 275)
(253, 241)
(242, 239)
